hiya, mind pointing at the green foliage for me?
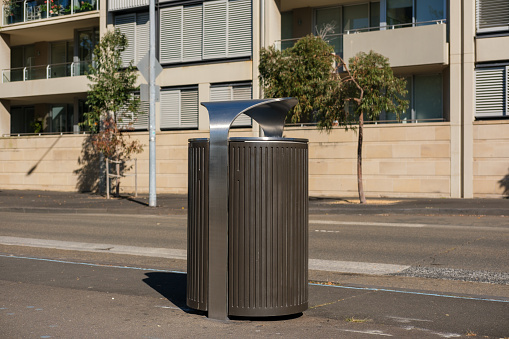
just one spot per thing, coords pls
(305, 71)
(382, 91)
(111, 92)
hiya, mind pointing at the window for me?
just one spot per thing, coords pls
(227, 92)
(425, 99)
(21, 119)
(61, 118)
(179, 108)
(344, 19)
(492, 15)
(408, 12)
(87, 40)
(211, 30)
(61, 58)
(399, 12)
(135, 27)
(21, 56)
(491, 92)
(140, 123)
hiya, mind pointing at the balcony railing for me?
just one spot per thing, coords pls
(26, 11)
(52, 71)
(336, 40)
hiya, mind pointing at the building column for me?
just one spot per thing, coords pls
(468, 98)
(5, 117)
(5, 63)
(455, 94)
(203, 115)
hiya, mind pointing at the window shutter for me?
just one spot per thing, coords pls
(170, 109)
(142, 36)
(141, 121)
(170, 35)
(214, 29)
(220, 93)
(490, 92)
(492, 15)
(189, 108)
(127, 26)
(243, 92)
(238, 92)
(239, 28)
(192, 33)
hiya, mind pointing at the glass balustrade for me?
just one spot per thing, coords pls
(25, 11)
(51, 71)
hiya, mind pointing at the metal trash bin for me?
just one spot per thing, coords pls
(248, 245)
(267, 226)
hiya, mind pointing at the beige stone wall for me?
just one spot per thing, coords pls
(491, 159)
(411, 160)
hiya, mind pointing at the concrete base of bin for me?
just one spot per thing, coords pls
(267, 227)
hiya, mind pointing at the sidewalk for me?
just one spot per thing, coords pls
(176, 204)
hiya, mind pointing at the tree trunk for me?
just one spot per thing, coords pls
(362, 198)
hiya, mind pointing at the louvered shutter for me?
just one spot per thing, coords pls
(170, 109)
(141, 121)
(492, 15)
(127, 26)
(142, 36)
(192, 33)
(239, 28)
(490, 92)
(220, 93)
(124, 119)
(189, 108)
(242, 92)
(214, 29)
(236, 92)
(170, 35)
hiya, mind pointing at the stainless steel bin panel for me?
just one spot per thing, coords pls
(268, 227)
(197, 224)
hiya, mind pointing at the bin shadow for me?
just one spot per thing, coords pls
(171, 286)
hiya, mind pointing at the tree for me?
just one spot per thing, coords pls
(331, 93)
(371, 87)
(111, 100)
(305, 71)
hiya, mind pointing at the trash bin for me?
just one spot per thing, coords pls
(267, 231)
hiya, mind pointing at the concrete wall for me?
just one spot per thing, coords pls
(492, 48)
(423, 45)
(491, 159)
(411, 160)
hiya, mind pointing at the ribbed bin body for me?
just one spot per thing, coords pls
(267, 226)
(197, 224)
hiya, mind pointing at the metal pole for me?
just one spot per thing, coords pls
(107, 179)
(152, 109)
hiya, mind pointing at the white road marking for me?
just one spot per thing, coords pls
(355, 267)
(407, 225)
(98, 248)
(314, 264)
(365, 223)
(372, 332)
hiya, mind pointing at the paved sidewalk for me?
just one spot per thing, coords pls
(73, 202)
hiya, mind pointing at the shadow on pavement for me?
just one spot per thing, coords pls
(172, 286)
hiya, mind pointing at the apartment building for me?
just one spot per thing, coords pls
(451, 142)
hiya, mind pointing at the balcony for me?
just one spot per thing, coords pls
(116, 5)
(52, 71)
(15, 12)
(409, 45)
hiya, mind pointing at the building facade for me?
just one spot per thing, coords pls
(451, 142)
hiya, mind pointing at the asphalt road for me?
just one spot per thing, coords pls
(439, 242)
(52, 293)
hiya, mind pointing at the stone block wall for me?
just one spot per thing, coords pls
(404, 160)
